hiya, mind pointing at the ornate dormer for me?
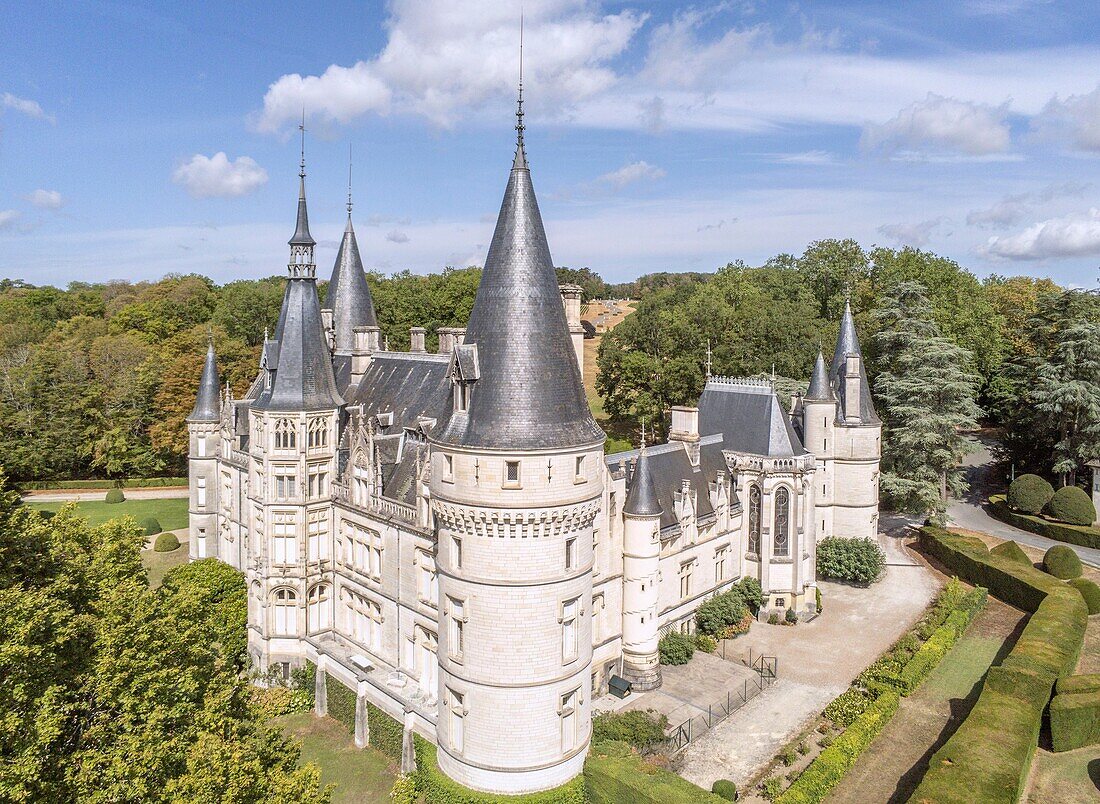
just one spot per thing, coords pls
(465, 371)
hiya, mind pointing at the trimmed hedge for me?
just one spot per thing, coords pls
(1072, 685)
(383, 732)
(114, 497)
(1052, 639)
(1070, 504)
(166, 543)
(637, 728)
(931, 652)
(1061, 562)
(1089, 591)
(341, 702)
(1075, 720)
(1030, 494)
(611, 778)
(131, 483)
(829, 767)
(1012, 551)
(438, 788)
(1059, 531)
(150, 525)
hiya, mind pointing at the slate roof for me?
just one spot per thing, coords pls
(348, 293)
(529, 395)
(848, 344)
(409, 385)
(749, 418)
(302, 237)
(208, 401)
(641, 499)
(668, 466)
(820, 387)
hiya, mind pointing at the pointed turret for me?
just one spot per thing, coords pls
(529, 394)
(302, 237)
(208, 401)
(848, 375)
(348, 293)
(847, 342)
(641, 499)
(819, 383)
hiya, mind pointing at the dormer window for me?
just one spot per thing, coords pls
(465, 371)
(462, 396)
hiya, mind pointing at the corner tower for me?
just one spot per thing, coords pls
(516, 484)
(203, 428)
(641, 578)
(819, 408)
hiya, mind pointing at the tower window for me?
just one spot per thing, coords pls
(580, 478)
(570, 553)
(318, 433)
(569, 611)
(457, 626)
(200, 492)
(457, 718)
(456, 552)
(568, 714)
(286, 434)
(449, 468)
(511, 474)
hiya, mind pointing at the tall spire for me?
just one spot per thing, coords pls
(819, 382)
(349, 296)
(349, 180)
(207, 404)
(521, 155)
(847, 344)
(302, 241)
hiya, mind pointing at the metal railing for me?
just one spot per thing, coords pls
(767, 669)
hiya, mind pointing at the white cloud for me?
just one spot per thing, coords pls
(444, 58)
(1070, 236)
(216, 177)
(28, 107)
(397, 236)
(1077, 118)
(8, 218)
(46, 199)
(1012, 209)
(804, 158)
(911, 234)
(942, 123)
(629, 174)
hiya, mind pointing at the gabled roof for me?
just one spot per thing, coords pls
(641, 499)
(847, 343)
(749, 417)
(208, 401)
(529, 394)
(349, 295)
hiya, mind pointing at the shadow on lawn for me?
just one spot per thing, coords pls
(1094, 772)
(960, 708)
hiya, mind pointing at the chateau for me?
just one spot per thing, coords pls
(443, 534)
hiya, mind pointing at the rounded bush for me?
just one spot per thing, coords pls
(676, 648)
(859, 561)
(1011, 551)
(724, 788)
(1071, 505)
(719, 612)
(1029, 493)
(151, 526)
(114, 496)
(1061, 562)
(1089, 591)
(166, 543)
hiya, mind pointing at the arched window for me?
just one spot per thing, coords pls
(319, 608)
(318, 433)
(754, 519)
(285, 602)
(286, 434)
(782, 522)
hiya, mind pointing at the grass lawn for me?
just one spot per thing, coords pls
(171, 512)
(1068, 776)
(360, 775)
(157, 564)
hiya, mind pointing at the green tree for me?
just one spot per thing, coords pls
(925, 396)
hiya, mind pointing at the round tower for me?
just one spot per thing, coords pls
(641, 566)
(204, 432)
(818, 425)
(516, 484)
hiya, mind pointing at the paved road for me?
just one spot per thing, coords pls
(969, 512)
(131, 494)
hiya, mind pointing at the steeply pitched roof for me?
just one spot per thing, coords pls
(749, 417)
(208, 400)
(669, 466)
(529, 394)
(847, 343)
(641, 499)
(820, 389)
(348, 293)
(302, 237)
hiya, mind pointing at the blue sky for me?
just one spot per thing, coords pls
(137, 140)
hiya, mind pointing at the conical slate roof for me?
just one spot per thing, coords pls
(847, 343)
(641, 499)
(208, 401)
(302, 237)
(348, 293)
(529, 394)
(819, 383)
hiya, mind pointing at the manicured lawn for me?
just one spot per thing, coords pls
(171, 512)
(360, 775)
(157, 564)
(1069, 776)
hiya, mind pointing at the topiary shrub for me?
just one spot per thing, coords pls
(1061, 562)
(642, 730)
(719, 612)
(1030, 494)
(151, 526)
(1072, 506)
(724, 788)
(114, 496)
(859, 561)
(166, 543)
(1011, 551)
(1089, 591)
(676, 648)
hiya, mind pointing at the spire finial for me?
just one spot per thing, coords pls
(349, 179)
(642, 448)
(708, 358)
(302, 128)
(521, 157)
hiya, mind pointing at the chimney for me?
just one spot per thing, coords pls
(851, 387)
(459, 335)
(446, 340)
(571, 300)
(685, 428)
(416, 339)
(366, 343)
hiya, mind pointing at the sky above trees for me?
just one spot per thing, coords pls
(136, 140)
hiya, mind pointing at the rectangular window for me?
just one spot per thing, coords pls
(200, 550)
(317, 531)
(318, 481)
(427, 581)
(456, 552)
(511, 474)
(202, 446)
(596, 552)
(569, 611)
(457, 718)
(284, 539)
(685, 579)
(200, 492)
(286, 482)
(597, 618)
(720, 564)
(570, 553)
(568, 713)
(457, 624)
(449, 468)
(579, 475)
(361, 491)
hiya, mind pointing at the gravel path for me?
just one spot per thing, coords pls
(61, 495)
